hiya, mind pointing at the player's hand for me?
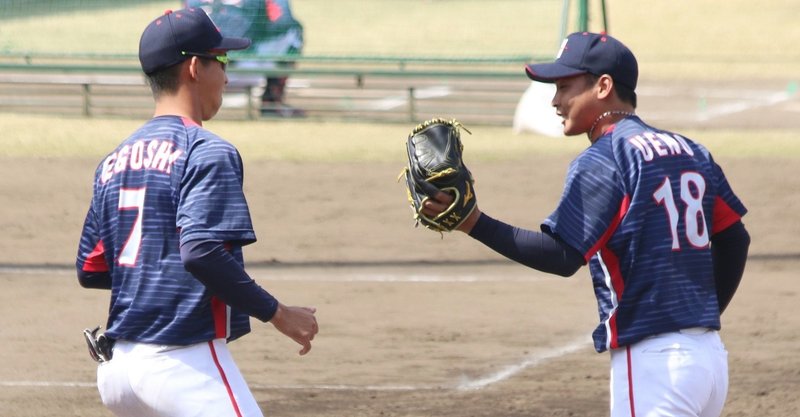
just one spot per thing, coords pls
(299, 323)
(433, 206)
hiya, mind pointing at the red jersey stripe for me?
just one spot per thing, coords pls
(611, 262)
(623, 210)
(220, 312)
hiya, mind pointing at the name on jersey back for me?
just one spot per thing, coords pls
(657, 144)
(153, 154)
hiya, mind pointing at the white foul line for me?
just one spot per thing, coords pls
(320, 387)
(528, 362)
(464, 385)
(344, 387)
(742, 106)
(260, 274)
(48, 384)
(734, 101)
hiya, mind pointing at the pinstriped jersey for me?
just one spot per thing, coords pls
(170, 182)
(641, 205)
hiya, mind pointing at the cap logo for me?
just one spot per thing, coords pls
(582, 53)
(562, 48)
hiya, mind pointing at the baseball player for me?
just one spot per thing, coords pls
(658, 223)
(164, 232)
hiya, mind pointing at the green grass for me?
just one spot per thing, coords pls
(114, 30)
(64, 137)
(709, 39)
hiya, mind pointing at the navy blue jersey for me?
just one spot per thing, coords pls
(641, 205)
(170, 182)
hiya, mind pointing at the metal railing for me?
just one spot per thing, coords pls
(484, 90)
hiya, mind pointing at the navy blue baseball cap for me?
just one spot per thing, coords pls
(171, 38)
(592, 53)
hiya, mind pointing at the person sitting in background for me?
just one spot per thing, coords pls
(274, 32)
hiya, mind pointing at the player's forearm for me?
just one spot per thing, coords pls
(729, 250)
(533, 249)
(216, 268)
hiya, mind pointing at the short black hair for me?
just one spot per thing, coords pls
(624, 93)
(164, 80)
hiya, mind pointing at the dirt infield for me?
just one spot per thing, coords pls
(401, 335)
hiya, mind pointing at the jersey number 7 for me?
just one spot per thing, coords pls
(131, 199)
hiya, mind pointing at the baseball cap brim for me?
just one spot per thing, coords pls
(233, 44)
(550, 72)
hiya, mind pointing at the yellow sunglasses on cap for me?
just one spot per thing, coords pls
(222, 59)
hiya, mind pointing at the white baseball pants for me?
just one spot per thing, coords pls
(680, 374)
(199, 380)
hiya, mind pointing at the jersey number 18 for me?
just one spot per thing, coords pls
(693, 188)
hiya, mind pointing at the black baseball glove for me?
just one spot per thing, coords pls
(435, 164)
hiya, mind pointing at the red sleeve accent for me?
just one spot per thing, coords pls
(623, 210)
(96, 261)
(724, 216)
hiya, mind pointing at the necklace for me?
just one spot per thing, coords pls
(606, 114)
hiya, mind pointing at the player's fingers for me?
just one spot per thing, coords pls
(306, 347)
(432, 207)
(441, 200)
(445, 197)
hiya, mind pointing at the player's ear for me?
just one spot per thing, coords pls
(193, 67)
(604, 86)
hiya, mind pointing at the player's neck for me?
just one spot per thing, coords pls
(606, 119)
(171, 106)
